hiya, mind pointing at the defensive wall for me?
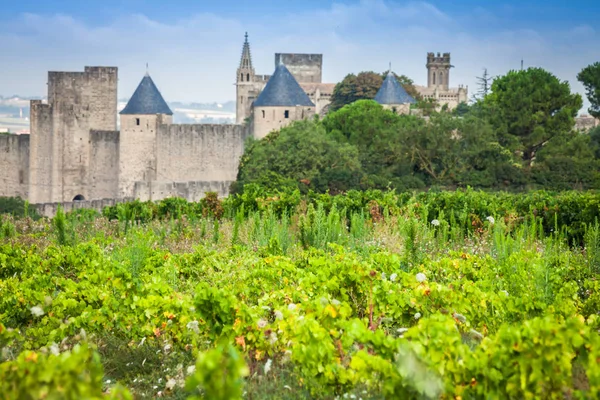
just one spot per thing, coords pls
(49, 209)
(14, 164)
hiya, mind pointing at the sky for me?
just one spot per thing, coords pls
(193, 47)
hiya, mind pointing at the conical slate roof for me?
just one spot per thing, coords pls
(146, 100)
(392, 92)
(282, 90)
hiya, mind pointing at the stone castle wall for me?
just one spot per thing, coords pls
(49, 209)
(104, 165)
(192, 191)
(14, 164)
(77, 103)
(40, 152)
(210, 152)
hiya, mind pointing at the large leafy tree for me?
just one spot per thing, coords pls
(380, 137)
(590, 77)
(528, 108)
(299, 156)
(364, 86)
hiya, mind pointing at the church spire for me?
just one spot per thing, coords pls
(246, 60)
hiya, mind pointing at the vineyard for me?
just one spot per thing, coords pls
(362, 295)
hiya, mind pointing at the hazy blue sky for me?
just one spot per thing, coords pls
(193, 47)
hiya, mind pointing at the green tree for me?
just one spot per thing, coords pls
(590, 77)
(364, 86)
(568, 161)
(380, 137)
(528, 108)
(299, 156)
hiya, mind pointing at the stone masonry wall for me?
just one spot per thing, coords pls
(199, 152)
(49, 209)
(80, 101)
(191, 191)
(40, 152)
(104, 165)
(137, 159)
(14, 164)
(267, 119)
(306, 68)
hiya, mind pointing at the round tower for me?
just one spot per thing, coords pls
(140, 119)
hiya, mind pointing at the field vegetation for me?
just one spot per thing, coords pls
(369, 294)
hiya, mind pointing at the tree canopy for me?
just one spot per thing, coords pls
(529, 107)
(590, 77)
(364, 86)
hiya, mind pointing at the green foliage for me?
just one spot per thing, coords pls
(364, 86)
(590, 78)
(299, 156)
(73, 374)
(219, 373)
(528, 108)
(17, 207)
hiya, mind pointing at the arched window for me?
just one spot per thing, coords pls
(247, 77)
(242, 77)
(78, 198)
(263, 113)
(441, 78)
(434, 78)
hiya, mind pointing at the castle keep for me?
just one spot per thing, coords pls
(75, 153)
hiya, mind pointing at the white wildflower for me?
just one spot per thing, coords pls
(167, 348)
(273, 338)
(193, 326)
(505, 292)
(266, 308)
(490, 219)
(170, 384)
(383, 276)
(435, 222)
(393, 277)
(191, 369)
(418, 315)
(262, 323)
(268, 366)
(291, 306)
(159, 394)
(278, 314)
(335, 302)
(154, 387)
(421, 277)
(402, 330)
(54, 349)
(37, 311)
(108, 381)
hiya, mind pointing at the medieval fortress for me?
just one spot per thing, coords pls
(74, 153)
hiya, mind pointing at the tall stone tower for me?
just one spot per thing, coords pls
(78, 102)
(438, 71)
(244, 84)
(140, 119)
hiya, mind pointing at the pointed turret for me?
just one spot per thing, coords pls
(146, 100)
(280, 103)
(392, 93)
(245, 83)
(283, 90)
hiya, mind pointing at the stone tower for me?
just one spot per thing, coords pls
(280, 103)
(438, 71)
(244, 83)
(393, 96)
(140, 119)
(78, 102)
